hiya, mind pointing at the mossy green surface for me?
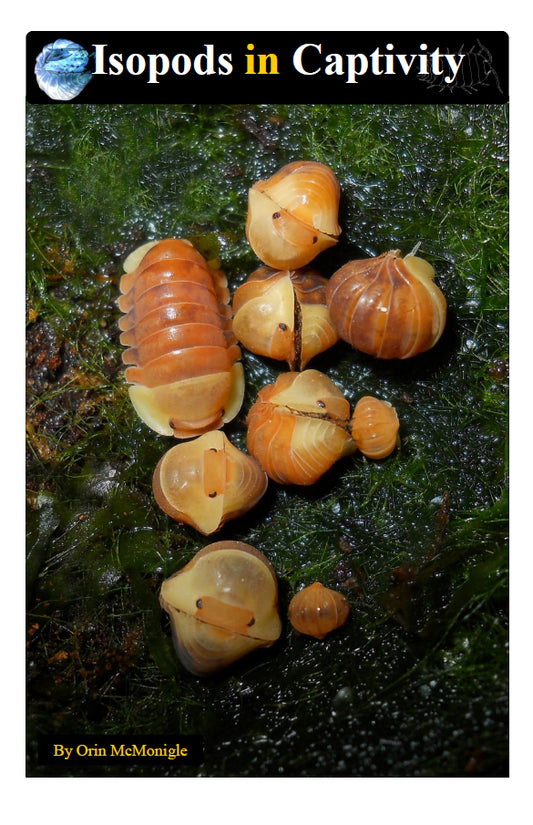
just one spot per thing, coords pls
(415, 683)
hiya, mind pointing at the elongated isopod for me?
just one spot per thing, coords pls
(185, 376)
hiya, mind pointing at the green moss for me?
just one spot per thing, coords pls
(415, 684)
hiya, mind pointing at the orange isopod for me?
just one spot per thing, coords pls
(283, 314)
(387, 306)
(375, 427)
(293, 215)
(299, 427)
(185, 376)
(316, 610)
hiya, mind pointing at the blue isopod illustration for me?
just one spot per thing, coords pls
(61, 69)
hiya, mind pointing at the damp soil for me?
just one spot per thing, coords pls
(416, 682)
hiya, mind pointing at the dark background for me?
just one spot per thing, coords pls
(416, 682)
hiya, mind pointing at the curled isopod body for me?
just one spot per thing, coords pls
(375, 427)
(387, 306)
(316, 610)
(222, 605)
(61, 69)
(186, 377)
(293, 215)
(207, 481)
(299, 427)
(283, 314)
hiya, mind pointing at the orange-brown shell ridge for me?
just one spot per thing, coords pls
(387, 306)
(208, 481)
(282, 314)
(316, 610)
(299, 427)
(375, 427)
(222, 605)
(185, 376)
(293, 215)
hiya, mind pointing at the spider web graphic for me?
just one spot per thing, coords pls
(475, 72)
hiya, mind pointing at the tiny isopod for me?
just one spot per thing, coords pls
(316, 610)
(375, 427)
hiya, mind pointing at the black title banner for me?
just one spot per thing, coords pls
(317, 67)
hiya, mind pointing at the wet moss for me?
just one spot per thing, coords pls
(415, 684)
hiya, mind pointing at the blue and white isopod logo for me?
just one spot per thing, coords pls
(61, 69)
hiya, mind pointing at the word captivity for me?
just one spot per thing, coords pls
(307, 60)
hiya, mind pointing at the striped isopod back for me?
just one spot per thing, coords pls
(185, 374)
(387, 306)
(375, 427)
(316, 610)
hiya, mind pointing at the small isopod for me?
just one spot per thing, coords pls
(375, 427)
(316, 610)
(387, 306)
(293, 215)
(282, 314)
(186, 377)
(207, 481)
(222, 605)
